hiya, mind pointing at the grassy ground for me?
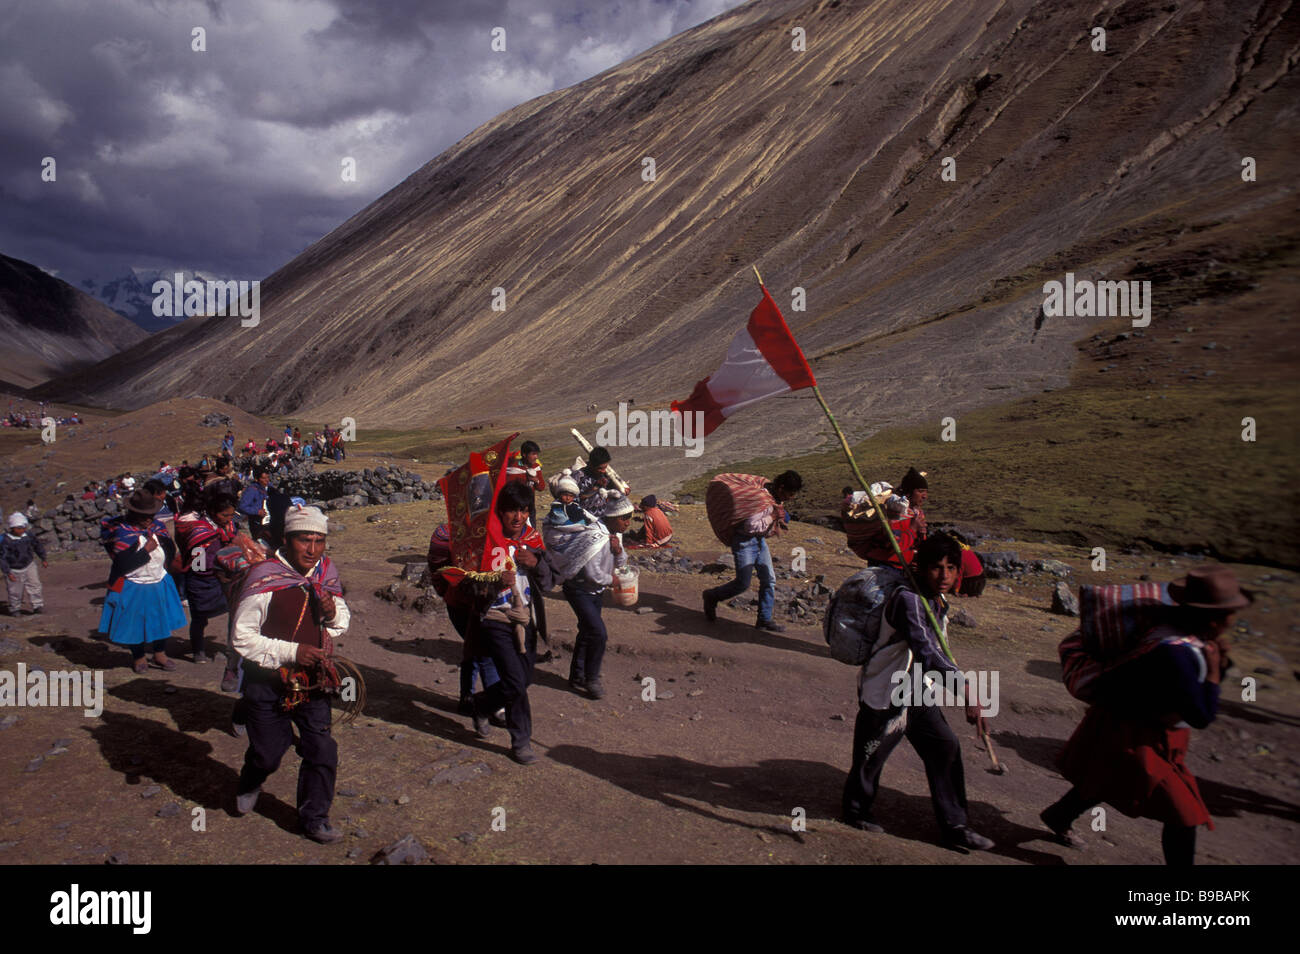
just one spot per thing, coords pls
(1093, 466)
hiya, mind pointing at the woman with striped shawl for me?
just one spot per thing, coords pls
(141, 607)
(201, 535)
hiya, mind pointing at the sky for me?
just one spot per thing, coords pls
(229, 160)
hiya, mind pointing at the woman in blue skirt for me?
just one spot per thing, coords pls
(142, 606)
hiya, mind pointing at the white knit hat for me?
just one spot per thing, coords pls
(564, 484)
(305, 520)
(17, 519)
(616, 505)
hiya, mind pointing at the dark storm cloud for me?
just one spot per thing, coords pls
(228, 161)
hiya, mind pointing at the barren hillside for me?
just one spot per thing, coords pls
(823, 167)
(50, 328)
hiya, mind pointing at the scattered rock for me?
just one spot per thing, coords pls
(348, 792)
(8, 721)
(170, 810)
(391, 593)
(34, 764)
(403, 799)
(407, 850)
(354, 852)
(643, 610)
(697, 717)
(117, 858)
(467, 838)
(1054, 567)
(666, 694)
(1064, 602)
(456, 774)
(838, 717)
(695, 692)
(961, 617)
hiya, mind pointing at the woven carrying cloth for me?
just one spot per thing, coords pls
(734, 498)
(1115, 626)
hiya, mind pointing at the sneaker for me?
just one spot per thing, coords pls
(578, 685)
(865, 824)
(162, 662)
(201, 657)
(769, 626)
(596, 688)
(230, 680)
(524, 755)
(966, 839)
(141, 666)
(244, 803)
(325, 834)
(1064, 835)
(238, 728)
(710, 606)
(498, 718)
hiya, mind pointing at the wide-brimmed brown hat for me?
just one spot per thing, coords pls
(1209, 587)
(142, 501)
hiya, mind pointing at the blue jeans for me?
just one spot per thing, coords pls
(471, 667)
(751, 554)
(589, 647)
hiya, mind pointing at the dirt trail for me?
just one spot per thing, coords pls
(747, 728)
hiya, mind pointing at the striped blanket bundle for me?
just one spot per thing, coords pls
(734, 498)
(1114, 625)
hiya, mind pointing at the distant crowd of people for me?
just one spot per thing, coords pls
(34, 417)
(328, 444)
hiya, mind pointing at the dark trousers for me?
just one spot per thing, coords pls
(270, 733)
(875, 735)
(139, 649)
(495, 639)
(1178, 842)
(198, 626)
(589, 646)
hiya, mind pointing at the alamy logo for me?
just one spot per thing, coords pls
(102, 907)
(944, 688)
(182, 299)
(651, 429)
(80, 688)
(1088, 299)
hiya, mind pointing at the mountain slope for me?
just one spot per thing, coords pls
(823, 167)
(50, 328)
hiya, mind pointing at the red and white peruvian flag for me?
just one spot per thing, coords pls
(763, 360)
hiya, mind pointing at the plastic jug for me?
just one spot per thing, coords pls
(625, 585)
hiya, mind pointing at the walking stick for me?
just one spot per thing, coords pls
(998, 768)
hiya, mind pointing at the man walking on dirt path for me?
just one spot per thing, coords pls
(760, 515)
(289, 612)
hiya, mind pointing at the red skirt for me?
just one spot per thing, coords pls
(1134, 766)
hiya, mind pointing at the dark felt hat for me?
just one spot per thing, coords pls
(1209, 587)
(142, 501)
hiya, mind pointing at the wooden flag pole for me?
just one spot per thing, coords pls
(879, 510)
(880, 514)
